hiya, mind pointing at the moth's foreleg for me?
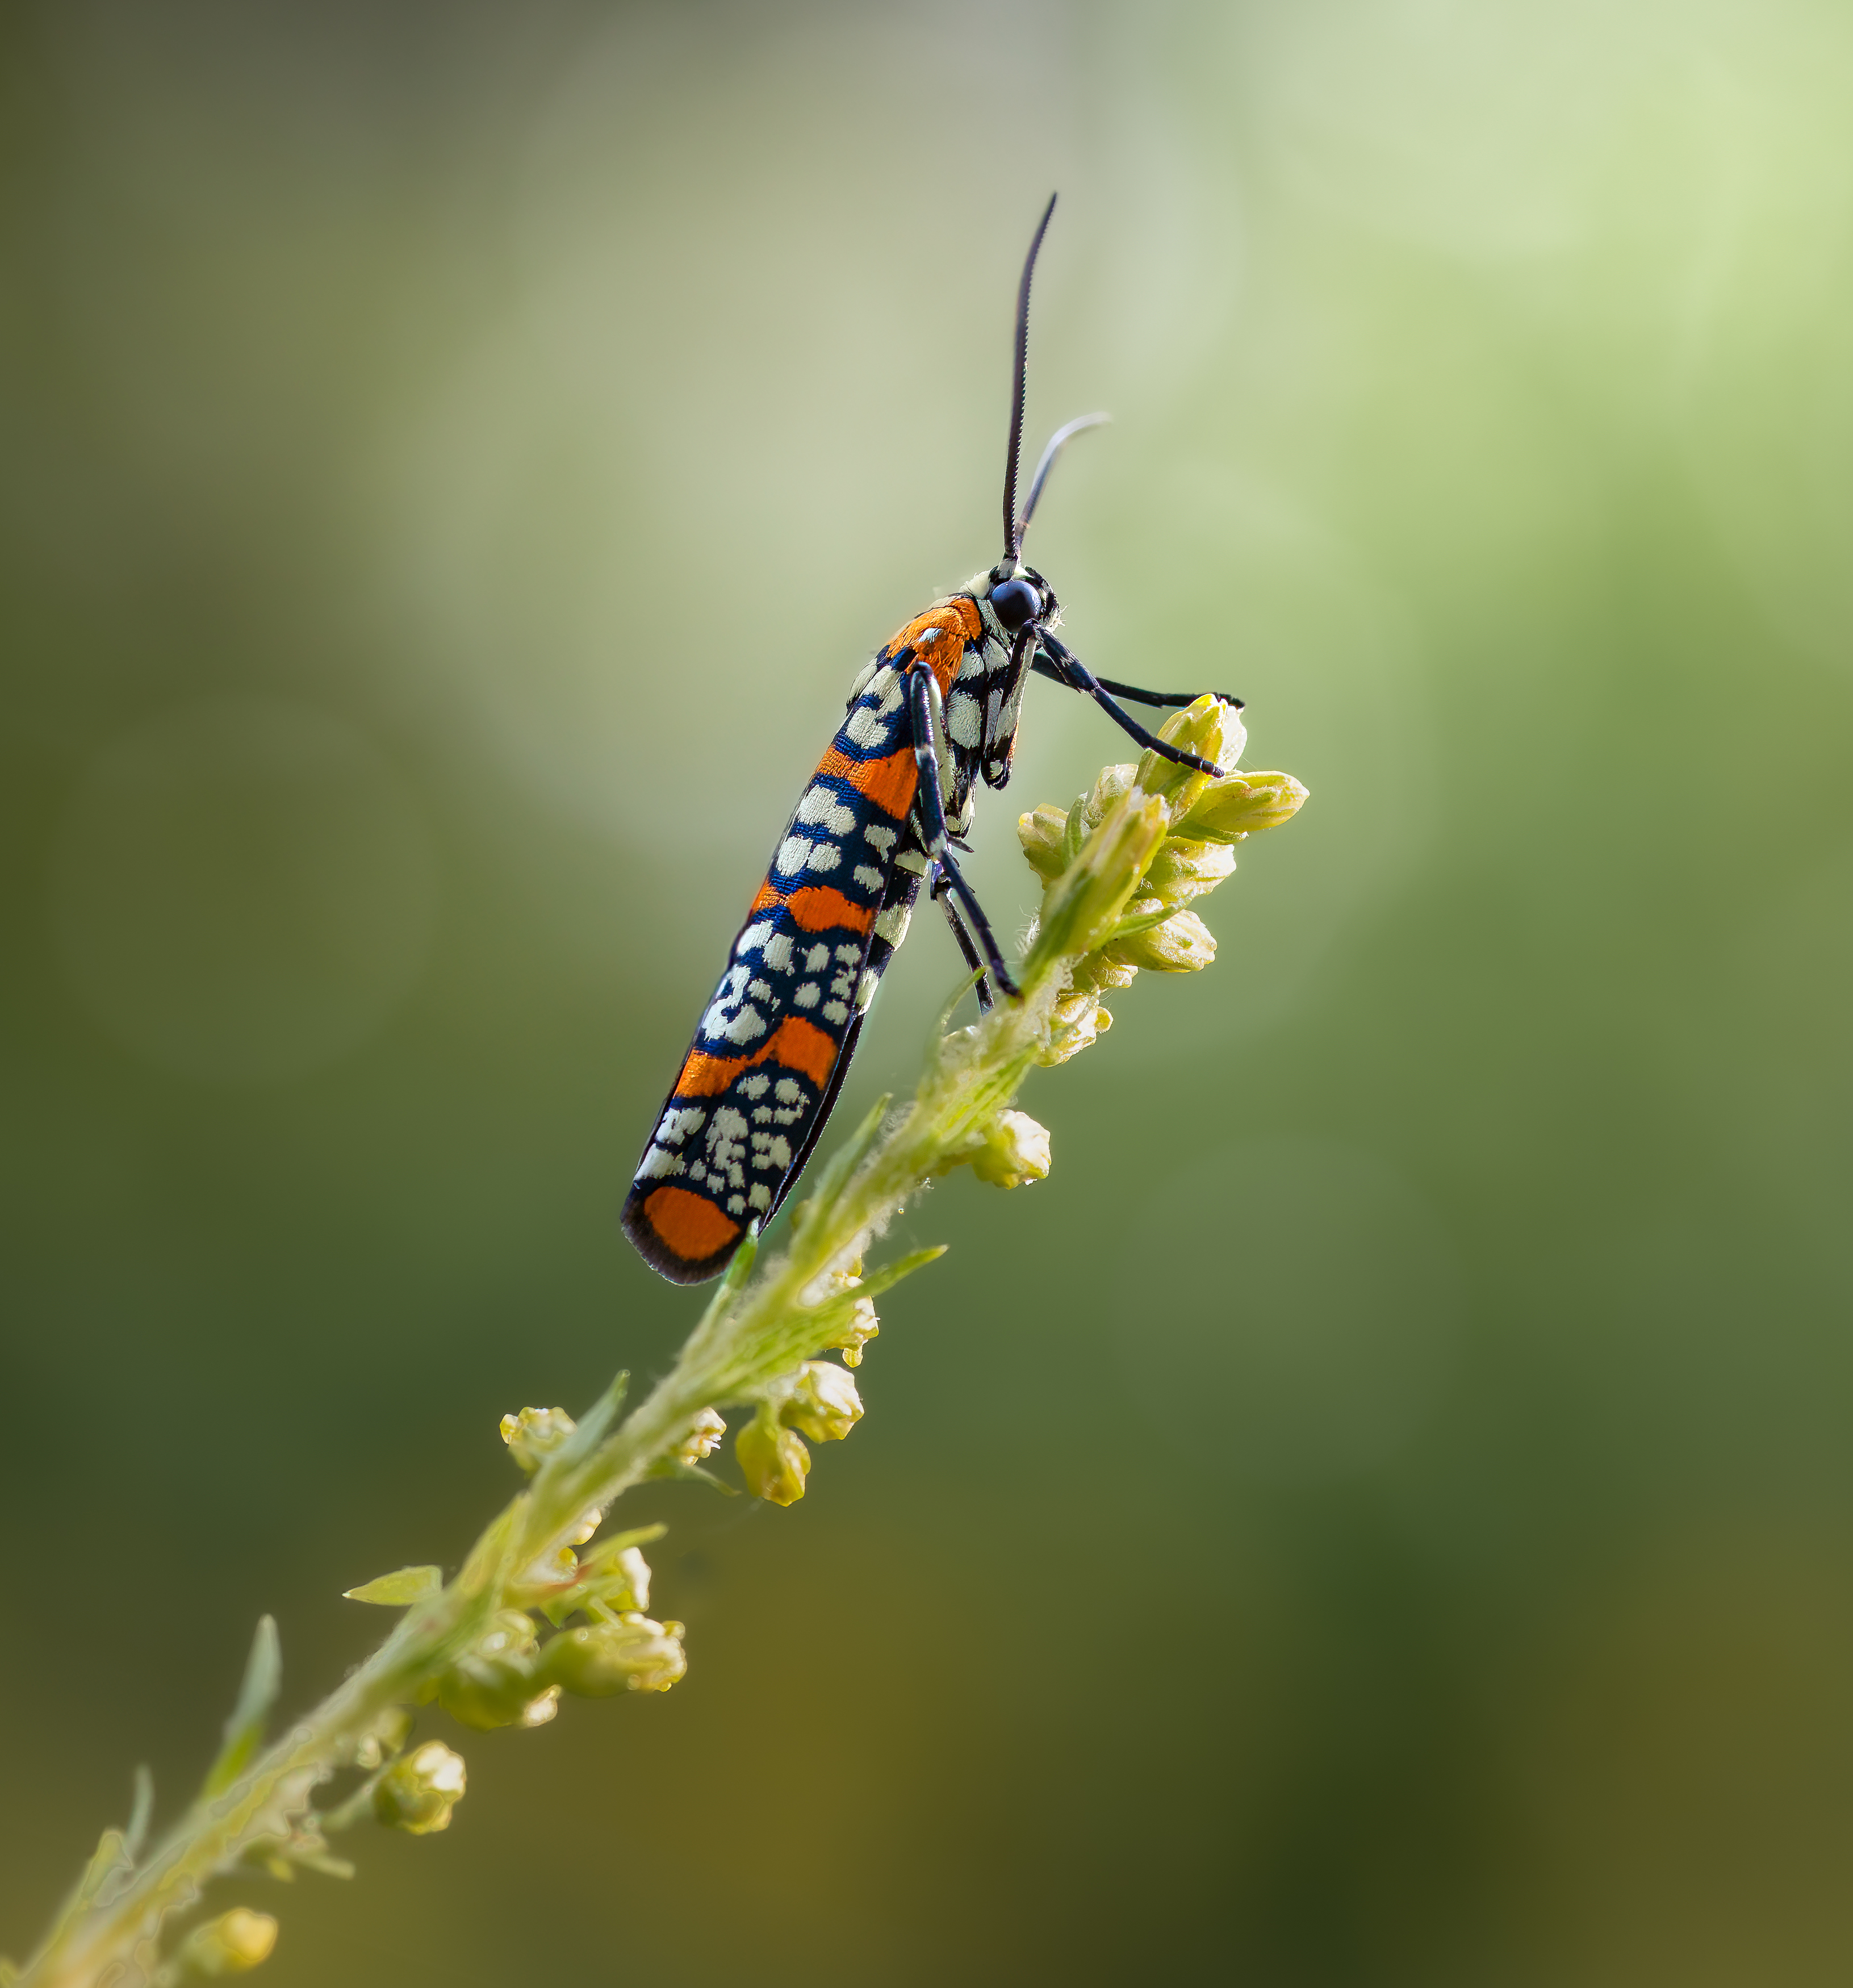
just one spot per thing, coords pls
(1068, 669)
(1174, 699)
(930, 798)
(941, 893)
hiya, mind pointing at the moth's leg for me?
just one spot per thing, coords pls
(930, 798)
(941, 893)
(1175, 699)
(1068, 669)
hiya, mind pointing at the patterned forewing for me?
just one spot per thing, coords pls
(761, 1072)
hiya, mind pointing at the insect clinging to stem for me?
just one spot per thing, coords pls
(890, 801)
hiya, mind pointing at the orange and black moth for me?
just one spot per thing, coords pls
(933, 711)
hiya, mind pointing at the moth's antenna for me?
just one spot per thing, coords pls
(1056, 442)
(1013, 528)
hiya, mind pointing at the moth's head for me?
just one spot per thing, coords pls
(1018, 595)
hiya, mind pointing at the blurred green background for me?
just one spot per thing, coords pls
(1382, 1512)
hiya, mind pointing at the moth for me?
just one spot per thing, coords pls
(932, 712)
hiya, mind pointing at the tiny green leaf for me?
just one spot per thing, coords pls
(399, 1589)
(245, 1729)
(141, 1811)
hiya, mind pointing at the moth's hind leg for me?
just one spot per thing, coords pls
(941, 893)
(929, 803)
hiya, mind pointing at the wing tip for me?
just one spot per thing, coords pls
(662, 1256)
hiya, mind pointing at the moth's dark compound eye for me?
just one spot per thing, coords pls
(1014, 602)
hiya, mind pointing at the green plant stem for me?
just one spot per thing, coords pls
(763, 1320)
(737, 1347)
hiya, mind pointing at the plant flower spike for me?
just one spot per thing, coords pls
(548, 1608)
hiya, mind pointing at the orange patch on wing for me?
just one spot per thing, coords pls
(705, 1076)
(769, 894)
(795, 1044)
(817, 907)
(940, 636)
(888, 783)
(692, 1227)
(801, 1045)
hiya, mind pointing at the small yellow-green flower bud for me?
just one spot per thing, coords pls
(824, 1405)
(773, 1460)
(1081, 906)
(495, 1683)
(531, 1434)
(1208, 728)
(586, 1527)
(1184, 944)
(417, 1793)
(620, 1578)
(1182, 870)
(1228, 810)
(1096, 974)
(390, 1731)
(232, 1943)
(1111, 786)
(855, 1332)
(703, 1437)
(1015, 1150)
(1074, 1023)
(632, 1654)
(1041, 835)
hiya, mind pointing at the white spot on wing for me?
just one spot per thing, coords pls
(864, 727)
(835, 1011)
(657, 1163)
(881, 840)
(779, 954)
(808, 996)
(821, 807)
(825, 856)
(679, 1121)
(964, 720)
(791, 853)
(748, 1023)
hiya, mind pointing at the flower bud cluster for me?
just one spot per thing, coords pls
(495, 1683)
(1011, 1150)
(703, 1439)
(626, 1652)
(820, 1401)
(418, 1791)
(616, 1580)
(1191, 824)
(534, 1432)
(860, 1325)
